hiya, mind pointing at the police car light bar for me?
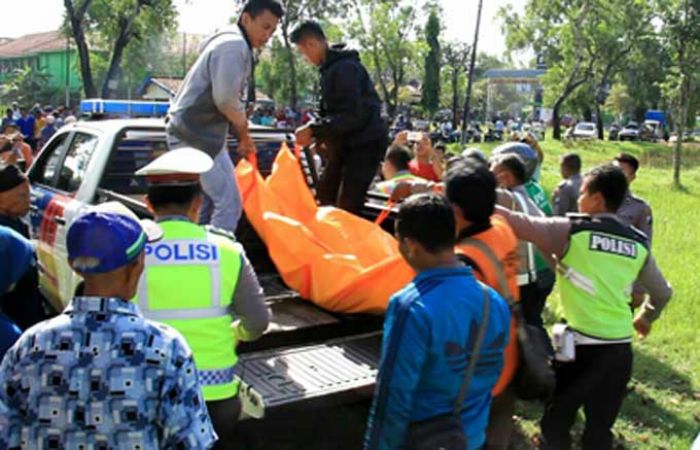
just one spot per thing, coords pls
(123, 108)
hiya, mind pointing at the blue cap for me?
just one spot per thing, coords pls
(104, 241)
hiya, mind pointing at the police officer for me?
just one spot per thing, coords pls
(198, 280)
(599, 258)
(634, 211)
(566, 194)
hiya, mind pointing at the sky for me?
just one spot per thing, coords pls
(205, 16)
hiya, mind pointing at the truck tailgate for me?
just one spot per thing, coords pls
(315, 374)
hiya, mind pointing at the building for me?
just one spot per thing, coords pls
(165, 88)
(49, 53)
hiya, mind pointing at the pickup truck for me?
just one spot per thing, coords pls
(308, 360)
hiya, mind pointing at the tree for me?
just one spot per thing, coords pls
(454, 61)
(561, 32)
(25, 85)
(113, 25)
(431, 79)
(681, 33)
(272, 75)
(76, 14)
(383, 29)
(619, 102)
(622, 25)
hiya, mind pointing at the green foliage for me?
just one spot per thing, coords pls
(119, 30)
(431, 79)
(25, 86)
(619, 101)
(384, 31)
(272, 75)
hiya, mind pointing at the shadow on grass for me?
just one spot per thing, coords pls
(648, 409)
(649, 406)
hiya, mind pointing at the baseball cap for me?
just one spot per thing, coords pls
(107, 237)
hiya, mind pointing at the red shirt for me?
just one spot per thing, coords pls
(423, 170)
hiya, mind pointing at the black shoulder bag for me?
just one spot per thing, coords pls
(446, 432)
(534, 378)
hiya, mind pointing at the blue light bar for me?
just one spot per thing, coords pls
(124, 108)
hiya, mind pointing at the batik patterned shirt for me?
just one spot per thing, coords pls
(100, 376)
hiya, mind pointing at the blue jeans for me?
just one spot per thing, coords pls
(222, 206)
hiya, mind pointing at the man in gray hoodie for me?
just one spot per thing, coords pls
(211, 99)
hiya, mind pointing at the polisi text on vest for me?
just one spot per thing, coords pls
(183, 251)
(615, 246)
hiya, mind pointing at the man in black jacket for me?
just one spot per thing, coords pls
(350, 125)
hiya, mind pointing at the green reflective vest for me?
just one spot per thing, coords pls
(188, 283)
(539, 197)
(596, 275)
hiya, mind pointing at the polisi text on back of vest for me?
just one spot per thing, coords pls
(613, 245)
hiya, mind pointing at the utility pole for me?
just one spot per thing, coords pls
(67, 102)
(465, 117)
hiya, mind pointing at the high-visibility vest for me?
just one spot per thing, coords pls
(188, 283)
(596, 274)
(502, 241)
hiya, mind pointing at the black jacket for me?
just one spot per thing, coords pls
(350, 107)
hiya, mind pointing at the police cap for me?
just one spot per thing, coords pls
(179, 167)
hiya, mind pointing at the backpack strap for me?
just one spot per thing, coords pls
(498, 267)
(476, 351)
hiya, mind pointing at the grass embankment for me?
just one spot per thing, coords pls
(662, 409)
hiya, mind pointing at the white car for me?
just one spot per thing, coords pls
(585, 130)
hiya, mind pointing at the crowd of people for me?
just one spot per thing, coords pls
(282, 118)
(145, 354)
(23, 132)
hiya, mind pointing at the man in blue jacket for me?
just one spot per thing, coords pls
(429, 333)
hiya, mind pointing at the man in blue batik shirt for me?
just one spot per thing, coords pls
(100, 375)
(429, 333)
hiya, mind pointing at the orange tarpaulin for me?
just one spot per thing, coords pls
(335, 259)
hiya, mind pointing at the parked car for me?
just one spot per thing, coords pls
(585, 130)
(630, 132)
(653, 130)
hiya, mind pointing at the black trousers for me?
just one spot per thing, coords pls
(533, 298)
(348, 173)
(224, 416)
(596, 380)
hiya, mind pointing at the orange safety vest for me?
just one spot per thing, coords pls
(501, 239)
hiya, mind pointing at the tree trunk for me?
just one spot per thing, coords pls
(556, 120)
(680, 130)
(294, 100)
(76, 22)
(455, 97)
(599, 121)
(126, 32)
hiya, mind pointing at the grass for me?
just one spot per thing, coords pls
(662, 409)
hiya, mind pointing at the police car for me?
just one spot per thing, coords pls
(307, 354)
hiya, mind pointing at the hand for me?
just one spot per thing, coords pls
(304, 135)
(246, 146)
(638, 299)
(643, 326)
(401, 138)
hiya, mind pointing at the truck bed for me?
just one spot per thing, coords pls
(308, 355)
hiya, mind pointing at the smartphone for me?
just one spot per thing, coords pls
(414, 136)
